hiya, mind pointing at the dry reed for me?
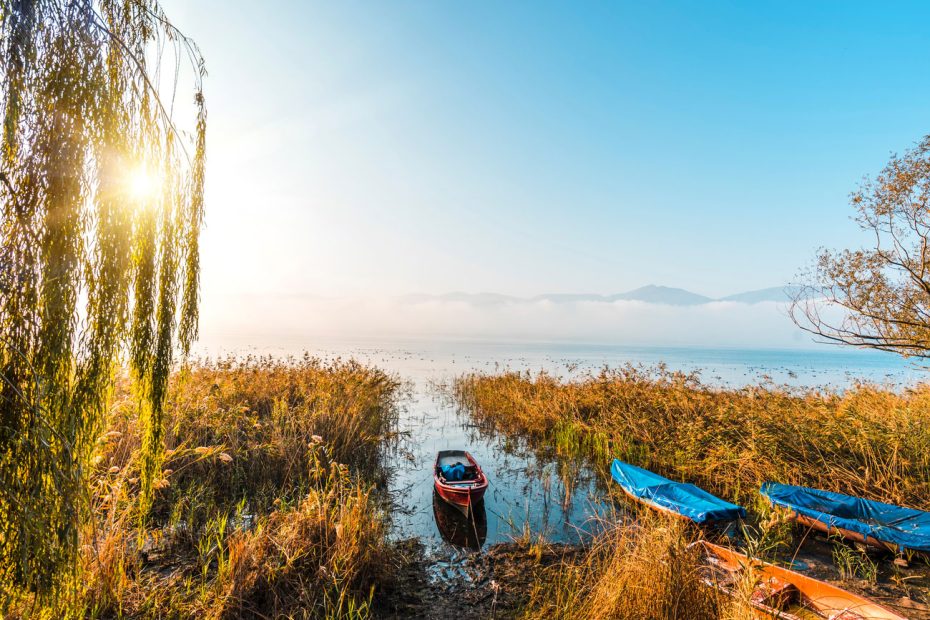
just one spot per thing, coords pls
(867, 441)
(648, 571)
(264, 507)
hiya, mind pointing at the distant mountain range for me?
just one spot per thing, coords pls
(650, 294)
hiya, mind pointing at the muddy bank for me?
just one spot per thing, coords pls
(494, 583)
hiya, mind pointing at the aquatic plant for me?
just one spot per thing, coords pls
(853, 563)
(867, 441)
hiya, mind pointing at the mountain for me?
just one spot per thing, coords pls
(775, 293)
(662, 295)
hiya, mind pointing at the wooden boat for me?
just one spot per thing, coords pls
(461, 493)
(881, 525)
(676, 498)
(465, 531)
(785, 594)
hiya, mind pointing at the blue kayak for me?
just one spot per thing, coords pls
(887, 525)
(679, 498)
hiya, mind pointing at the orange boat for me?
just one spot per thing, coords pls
(785, 594)
(465, 491)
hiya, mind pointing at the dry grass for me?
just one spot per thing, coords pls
(320, 558)
(265, 507)
(243, 428)
(644, 572)
(867, 441)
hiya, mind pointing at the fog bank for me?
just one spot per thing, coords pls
(299, 320)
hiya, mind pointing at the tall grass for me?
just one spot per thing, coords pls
(321, 558)
(867, 441)
(264, 506)
(649, 571)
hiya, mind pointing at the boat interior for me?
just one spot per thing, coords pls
(456, 457)
(772, 596)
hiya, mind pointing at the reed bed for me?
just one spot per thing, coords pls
(648, 571)
(265, 507)
(866, 441)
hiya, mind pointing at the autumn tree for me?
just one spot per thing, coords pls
(102, 201)
(878, 297)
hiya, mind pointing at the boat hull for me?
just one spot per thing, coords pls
(844, 533)
(461, 494)
(882, 525)
(460, 497)
(814, 596)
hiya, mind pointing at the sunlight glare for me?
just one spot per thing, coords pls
(142, 184)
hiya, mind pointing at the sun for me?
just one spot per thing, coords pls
(142, 183)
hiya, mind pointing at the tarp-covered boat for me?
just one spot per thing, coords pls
(782, 593)
(678, 498)
(458, 478)
(861, 520)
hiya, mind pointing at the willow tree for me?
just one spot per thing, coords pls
(102, 201)
(878, 297)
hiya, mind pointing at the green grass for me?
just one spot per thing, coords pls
(853, 563)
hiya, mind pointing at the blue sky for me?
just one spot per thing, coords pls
(382, 148)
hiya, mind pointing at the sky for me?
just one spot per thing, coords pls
(373, 149)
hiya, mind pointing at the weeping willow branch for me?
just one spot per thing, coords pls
(90, 267)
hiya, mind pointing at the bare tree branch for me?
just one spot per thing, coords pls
(881, 297)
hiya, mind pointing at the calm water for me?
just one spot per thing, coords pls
(524, 491)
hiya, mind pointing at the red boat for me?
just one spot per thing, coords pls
(459, 530)
(465, 492)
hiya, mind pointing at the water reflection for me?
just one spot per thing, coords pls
(527, 494)
(458, 530)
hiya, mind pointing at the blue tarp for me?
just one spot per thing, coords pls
(453, 473)
(685, 499)
(905, 527)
